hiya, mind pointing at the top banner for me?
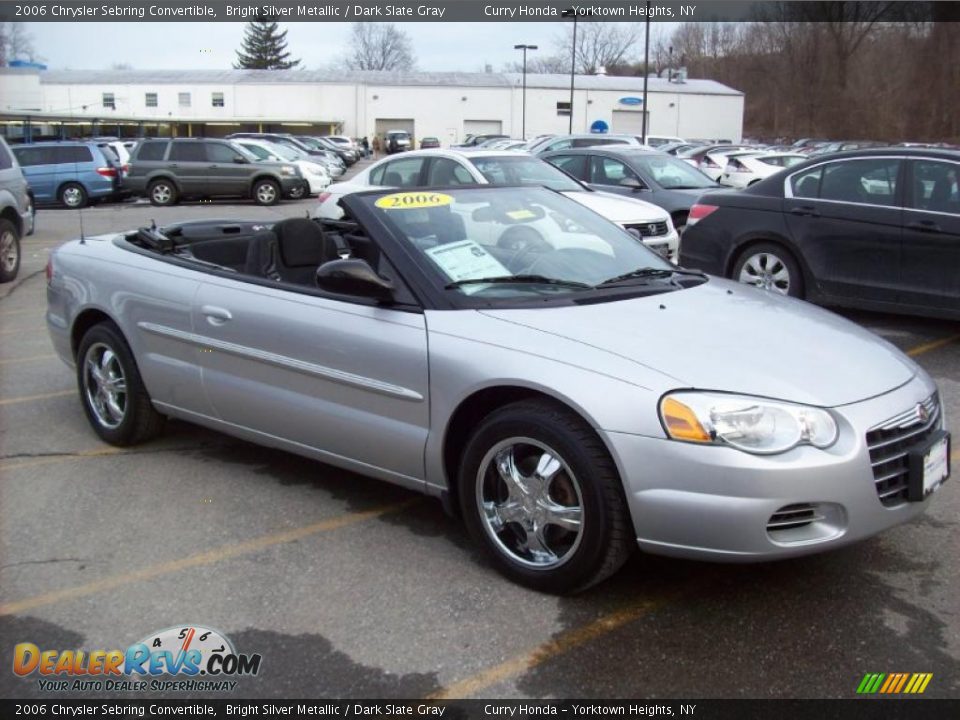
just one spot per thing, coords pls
(465, 11)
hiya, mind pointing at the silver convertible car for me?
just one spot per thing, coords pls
(568, 392)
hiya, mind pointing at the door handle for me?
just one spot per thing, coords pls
(173, 165)
(216, 315)
(925, 226)
(808, 210)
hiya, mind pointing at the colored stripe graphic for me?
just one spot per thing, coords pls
(894, 683)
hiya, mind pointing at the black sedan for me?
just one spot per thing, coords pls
(656, 177)
(874, 229)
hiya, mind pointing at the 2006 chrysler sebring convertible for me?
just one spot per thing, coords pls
(562, 387)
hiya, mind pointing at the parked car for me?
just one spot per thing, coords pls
(449, 168)
(472, 141)
(395, 141)
(657, 141)
(168, 170)
(677, 148)
(429, 143)
(744, 170)
(563, 142)
(17, 212)
(710, 159)
(315, 174)
(652, 176)
(72, 173)
(341, 144)
(571, 400)
(309, 145)
(876, 229)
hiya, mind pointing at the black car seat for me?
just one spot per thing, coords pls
(808, 187)
(940, 197)
(393, 178)
(302, 248)
(446, 225)
(262, 256)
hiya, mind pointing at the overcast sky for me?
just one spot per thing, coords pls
(180, 46)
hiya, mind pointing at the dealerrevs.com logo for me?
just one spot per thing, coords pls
(191, 658)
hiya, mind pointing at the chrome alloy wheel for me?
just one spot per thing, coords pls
(530, 503)
(162, 193)
(767, 272)
(72, 197)
(9, 251)
(105, 385)
(266, 194)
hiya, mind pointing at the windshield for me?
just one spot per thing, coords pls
(511, 243)
(312, 143)
(670, 173)
(243, 151)
(524, 170)
(286, 152)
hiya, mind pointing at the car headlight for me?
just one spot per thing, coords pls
(288, 170)
(751, 424)
(315, 169)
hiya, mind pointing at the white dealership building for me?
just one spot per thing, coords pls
(447, 106)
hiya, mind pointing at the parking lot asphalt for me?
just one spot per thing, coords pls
(352, 588)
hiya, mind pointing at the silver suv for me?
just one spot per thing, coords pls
(16, 213)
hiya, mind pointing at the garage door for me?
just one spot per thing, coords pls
(629, 122)
(383, 125)
(482, 127)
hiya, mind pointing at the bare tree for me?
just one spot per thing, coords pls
(16, 43)
(379, 46)
(553, 64)
(599, 45)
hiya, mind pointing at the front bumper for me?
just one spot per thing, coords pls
(715, 503)
(317, 183)
(667, 246)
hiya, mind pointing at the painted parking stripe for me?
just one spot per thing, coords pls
(65, 457)
(560, 645)
(32, 398)
(32, 358)
(225, 552)
(932, 345)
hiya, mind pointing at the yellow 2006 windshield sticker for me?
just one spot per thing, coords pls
(413, 200)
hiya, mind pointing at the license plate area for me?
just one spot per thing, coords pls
(929, 466)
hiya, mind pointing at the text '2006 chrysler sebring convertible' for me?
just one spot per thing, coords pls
(565, 389)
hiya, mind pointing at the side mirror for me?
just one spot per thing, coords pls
(240, 160)
(631, 183)
(353, 277)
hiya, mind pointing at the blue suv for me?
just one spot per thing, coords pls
(71, 173)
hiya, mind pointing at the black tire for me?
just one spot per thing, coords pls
(73, 196)
(163, 193)
(266, 192)
(9, 251)
(680, 222)
(764, 262)
(299, 192)
(137, 420)
(605, 538)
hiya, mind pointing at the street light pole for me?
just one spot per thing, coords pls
(573, 68)
(646, 72)
(523, 132)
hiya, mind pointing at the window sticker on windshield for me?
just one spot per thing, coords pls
(412, 200)
(521, 215)
(465, 260)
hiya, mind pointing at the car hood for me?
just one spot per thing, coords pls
(619, 209)
(725, 336)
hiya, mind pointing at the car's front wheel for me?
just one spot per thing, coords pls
(770, 267)
(162, 193)
(266, 192)
(540, 493)
(113, 395)
(9, 250)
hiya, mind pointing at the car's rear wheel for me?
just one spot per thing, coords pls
(162, 193)
(542, 497)
(770, 267)
(9, 250)
(72, 195)
(113, 395)
(266, 192)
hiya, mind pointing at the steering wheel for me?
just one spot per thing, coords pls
(523, 238)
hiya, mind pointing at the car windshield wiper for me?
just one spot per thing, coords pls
(650, 272)
(539, 279)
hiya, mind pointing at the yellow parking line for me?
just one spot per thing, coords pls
(932, 345)
(210, 557)
(13, 361)
(559, 645)
(66, 457)
(31, 398)
(5, 313)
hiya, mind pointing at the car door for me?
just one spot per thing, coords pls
(39, 168)
(930, 268)
(845, 217)
(576, 165)
(229, 171)
(346, 379)
(188, 161)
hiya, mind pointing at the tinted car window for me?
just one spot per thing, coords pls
(30, 156)
(6, 160)
(110, 154)
(607, 171)
(219, 153)
(559, 145)
(188, 152)
(402, 173)
(592, 142)
(74, 154)
(523, 170)
(936, 186)
(152, 151)
(670, 173)
(444, 171)
(576, 165)
(806, 184)
(870, 181)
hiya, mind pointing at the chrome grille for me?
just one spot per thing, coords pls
(793, 516)
(654, 229)
(890, 444)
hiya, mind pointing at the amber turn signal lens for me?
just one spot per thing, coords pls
(681, 422)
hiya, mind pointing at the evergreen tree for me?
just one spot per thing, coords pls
(264, 48)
